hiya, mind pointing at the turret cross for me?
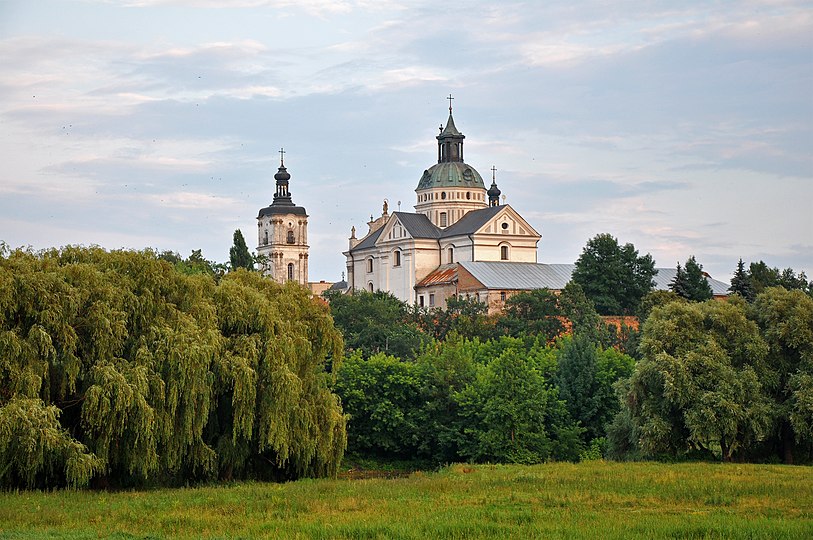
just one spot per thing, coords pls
(282, 157)
(450, 98)
(493, 173)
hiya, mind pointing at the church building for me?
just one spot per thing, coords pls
(282, 231)
(456, 220)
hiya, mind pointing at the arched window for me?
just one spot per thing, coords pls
(370, 286)
(504, 252)
(451, 254)
(291, 239)
(396, 257)
(443, 195)
(265, 238)
(443, 219)
(369, 264)
(290, 271)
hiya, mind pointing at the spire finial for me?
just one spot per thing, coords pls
(281, 157)
(450, 98)
(493, 173)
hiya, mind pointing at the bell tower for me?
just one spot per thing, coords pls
(282, 230)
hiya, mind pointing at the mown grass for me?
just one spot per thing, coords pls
(559, 500)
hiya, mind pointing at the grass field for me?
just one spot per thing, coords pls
(592, 500)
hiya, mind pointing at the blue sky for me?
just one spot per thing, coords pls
(684, 128)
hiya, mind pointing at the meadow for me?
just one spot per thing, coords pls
(557, 500)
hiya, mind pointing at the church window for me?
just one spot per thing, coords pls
(291, 239)
(431, 300)
(477, 296)
(451, 254)
(290, 271)
(443, 219)
(369, 264)
(502, 296)
(370, 286)
(504, 226)
(443, 195)
(503, 253)
(420, 300)
(468, 195)
(265, 238)
(396, 257)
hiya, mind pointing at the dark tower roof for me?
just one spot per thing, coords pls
(282, 197)
(494, 192)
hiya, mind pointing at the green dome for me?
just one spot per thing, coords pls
(455, 174)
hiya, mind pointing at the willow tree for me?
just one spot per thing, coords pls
(127, 362)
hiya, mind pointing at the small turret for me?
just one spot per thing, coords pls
(494, 192)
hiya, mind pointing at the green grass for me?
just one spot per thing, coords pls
(559, 500)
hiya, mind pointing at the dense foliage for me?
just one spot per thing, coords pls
(117, 367)
(722, 379)
(500, 400)
(614, 277)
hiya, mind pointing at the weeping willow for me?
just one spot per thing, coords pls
(117, 369)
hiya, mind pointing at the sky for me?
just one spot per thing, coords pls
(685, 128)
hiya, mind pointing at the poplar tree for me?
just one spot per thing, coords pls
(239, 256)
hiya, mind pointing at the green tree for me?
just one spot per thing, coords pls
(680, 284)
(239, 256)
(532, 313)
(697, 386)
(785, 319)
(586, 377)
(741, 283)
(376, 322)
(513, 415)
(697, 287)
(446, 369)
(614, 277)
(382, 397)
(581, 312)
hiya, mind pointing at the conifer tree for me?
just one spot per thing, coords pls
(741, 283)
(680, 283)
(239, 257)
(698, 287)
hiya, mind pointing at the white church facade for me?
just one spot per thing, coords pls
(456, 220)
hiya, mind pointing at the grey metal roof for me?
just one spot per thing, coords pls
(418, 225)
(519, 276)
(665, 276)
(369, 241)
(471, 221)
(525, 276)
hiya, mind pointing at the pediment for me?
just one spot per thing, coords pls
(394, 231)
(508, 222)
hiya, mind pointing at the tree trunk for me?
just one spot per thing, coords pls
(788, 443)
(725, 449)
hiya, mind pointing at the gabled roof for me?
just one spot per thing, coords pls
(526, 276)
(471, 221)
(418, 225)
